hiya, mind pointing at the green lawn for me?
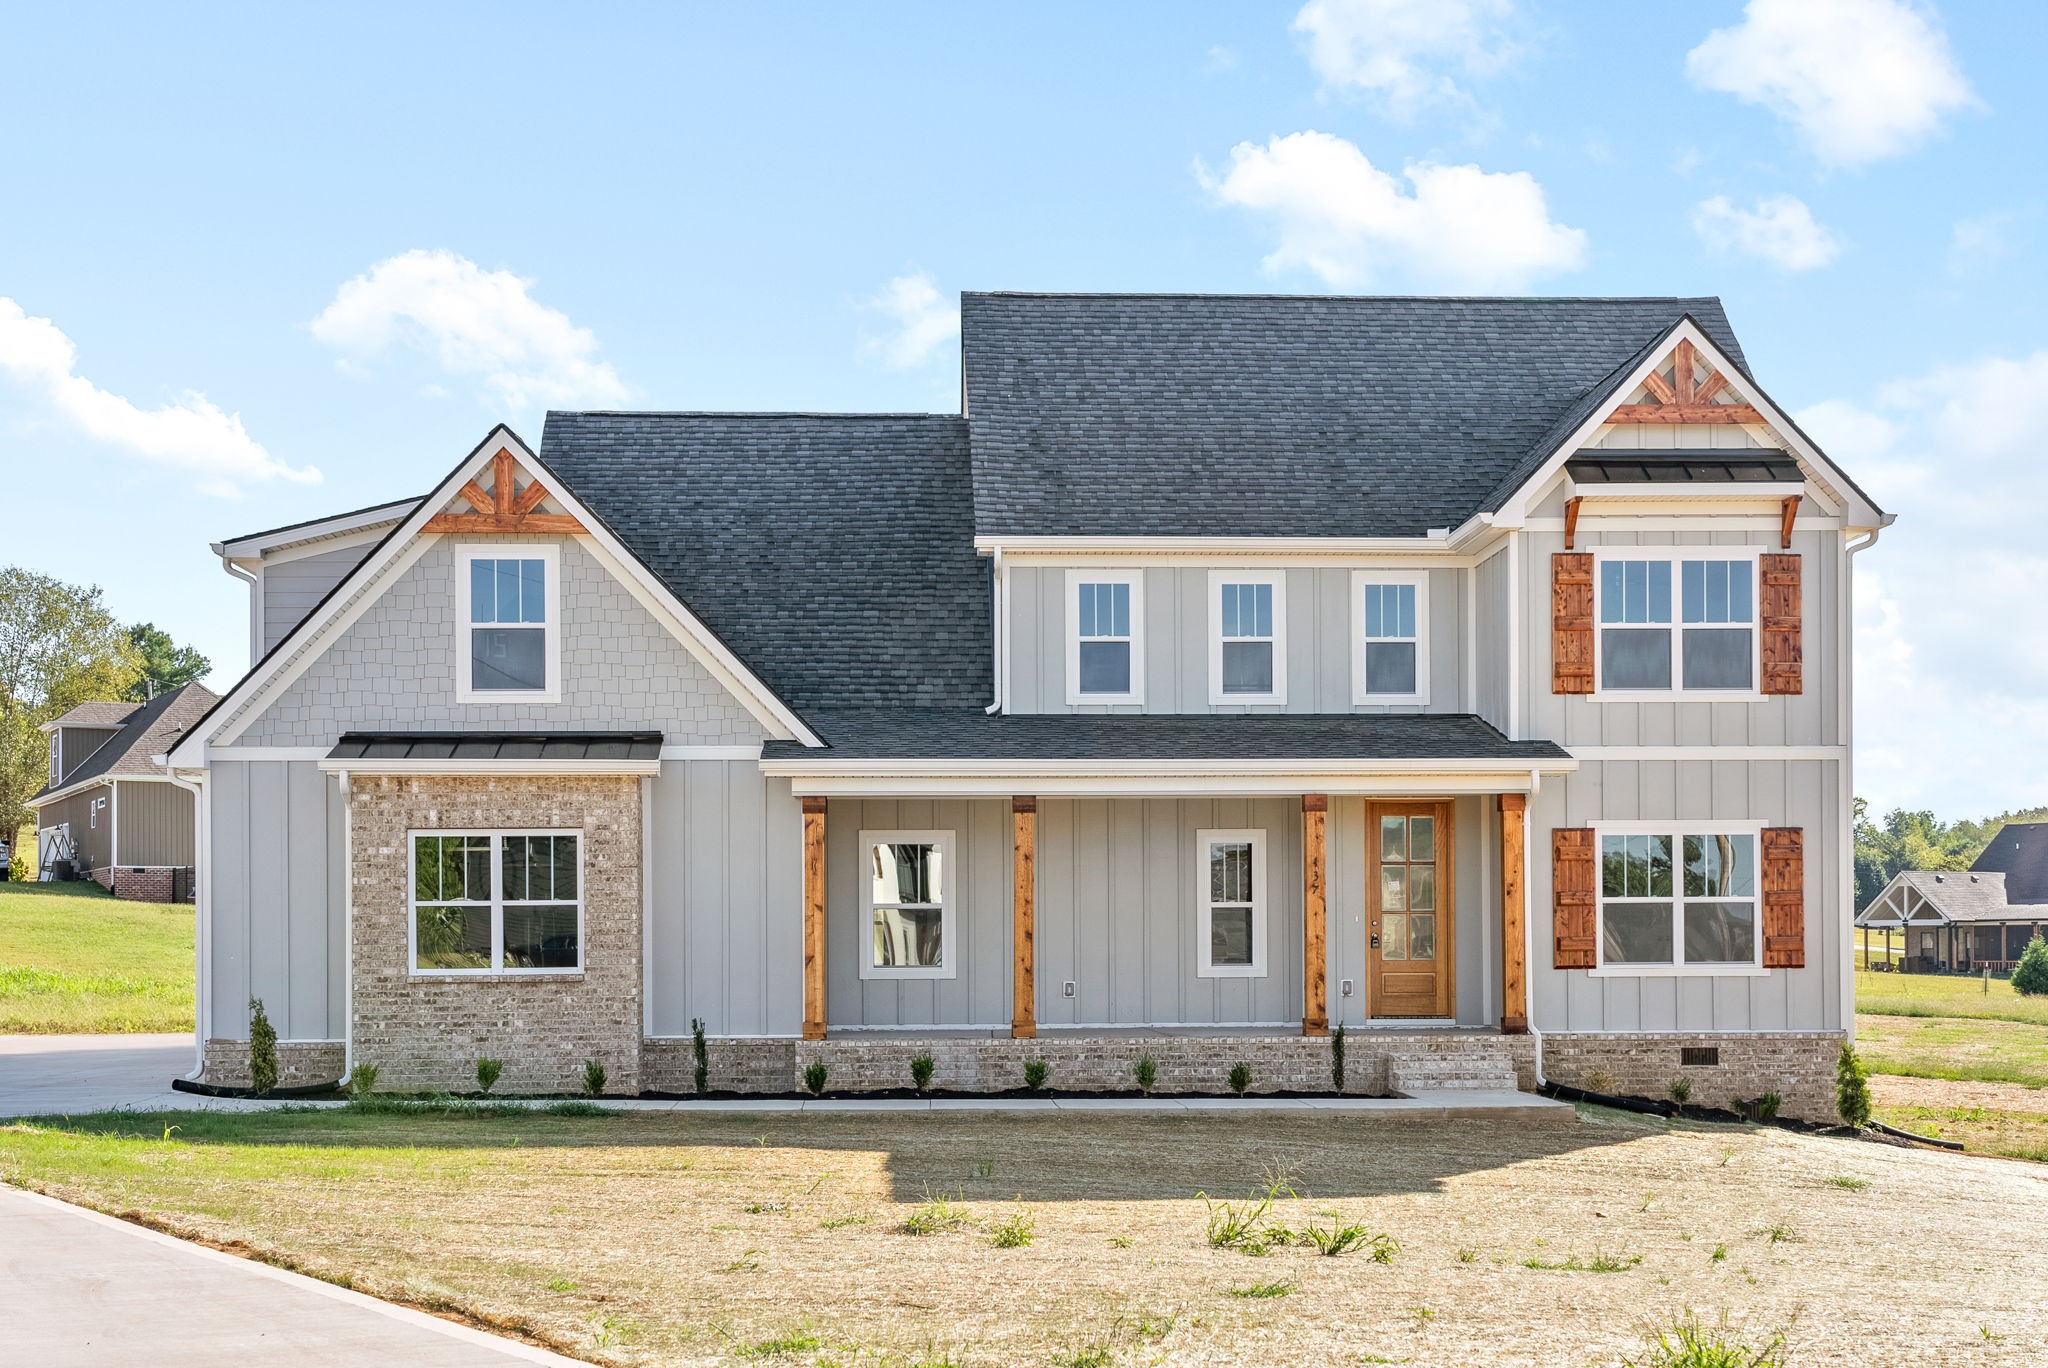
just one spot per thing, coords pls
(1961, 1048)
(74, 959)
(1946, 995)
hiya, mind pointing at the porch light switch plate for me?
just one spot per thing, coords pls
(1345, 988)
(1067, 988)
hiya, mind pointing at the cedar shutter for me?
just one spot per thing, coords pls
(1571, 622)
(1571, 891)
(1784, 898)
(1779, 617)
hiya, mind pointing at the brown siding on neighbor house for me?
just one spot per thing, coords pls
(156, 823)
(94, 836)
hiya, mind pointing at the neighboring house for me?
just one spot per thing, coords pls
(1967, 920)
(110, 810)
(1471, 673)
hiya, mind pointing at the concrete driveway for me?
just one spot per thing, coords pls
(43, 1075)
(78, 1288)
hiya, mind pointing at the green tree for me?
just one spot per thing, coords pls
(1919, 840)
(2030, 975)
(165, 664)
(59, 647)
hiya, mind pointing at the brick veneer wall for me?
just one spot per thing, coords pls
(1797, 1065)
(142, 885)
(429, 1032)
(668, 1065)
(300, 1063)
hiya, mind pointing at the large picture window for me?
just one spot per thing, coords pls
(1677, 622)
(1678, 898)
(508, 623)
(1391, 622)
(1230, 928)
(1247, 646)
(907, 904)
(508, 902)
(1105, 661)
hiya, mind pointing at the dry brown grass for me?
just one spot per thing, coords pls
(678, 1238)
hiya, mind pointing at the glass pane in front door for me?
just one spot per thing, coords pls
(1406, 979)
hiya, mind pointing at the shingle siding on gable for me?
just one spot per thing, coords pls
(395, 668)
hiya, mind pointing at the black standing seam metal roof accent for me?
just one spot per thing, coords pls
(490, 746)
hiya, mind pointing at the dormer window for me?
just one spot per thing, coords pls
(1105, 663)
(1247, 661)
(510, 602)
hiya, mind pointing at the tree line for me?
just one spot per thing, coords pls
(1902, 840)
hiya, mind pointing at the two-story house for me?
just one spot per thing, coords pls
(1472, 673)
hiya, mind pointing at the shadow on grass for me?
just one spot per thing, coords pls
(1038, 1157)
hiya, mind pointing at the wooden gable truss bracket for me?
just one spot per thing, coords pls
(1683, 398)
(505, 507)
(1785, 520)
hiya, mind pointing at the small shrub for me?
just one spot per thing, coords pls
(1681, 1090)
(593, 1078)
(700, 1054)
(1852, 1088)
(1013, 1231)
(1600, 1081)
(1147, 1074)
(794, 1342)
(1768, 1105)
(262, 1050)
(1034, 1075)
(1260, 1291)
(814, 1078)
(1691, 1344)
(487, 1071)
(921, 1072)
(1337, 1056)
(936, 1214)
(1240, 1077)
(1849, 1184)
(2030, 973)
(362, 1080)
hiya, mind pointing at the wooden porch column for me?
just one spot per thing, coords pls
(1315, 967)
(1023, 917)
(1514, 912)
(814, 919)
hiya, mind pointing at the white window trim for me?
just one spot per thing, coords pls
(1278, 580)
(497, 969)
(550, 555)
(1674, 554)
(1136, 580)
(1678, 831)
(56, 771)
(1258, 968)
(950, 950)
(93, 811)
(1360, 581)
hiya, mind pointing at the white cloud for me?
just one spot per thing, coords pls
(923, 321)
(473, 323)
(1780, 230)
(1982, 241)
(1951, 660)
(1862, 80)
(192, 434)
(1391, 50)
(1335, 213)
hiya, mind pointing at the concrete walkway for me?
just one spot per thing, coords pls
(72, 1075)
(78, 1288)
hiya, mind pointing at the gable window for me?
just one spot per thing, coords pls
(54, 772)
(510, 599)
(1678, 898)
(1230, 929)
(907, 904)
(1677, 622)
(1391, 622)
(1105, 663)
(1247, 660)
(506, 902)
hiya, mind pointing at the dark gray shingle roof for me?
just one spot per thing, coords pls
(1297, 416)
(96, 714)
(2020, 852)
(834, 554)
(971, 734)
(151, 729)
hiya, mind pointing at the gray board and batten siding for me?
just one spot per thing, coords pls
(293, 588)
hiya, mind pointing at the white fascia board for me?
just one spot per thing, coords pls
(267, 544)
(1435, 547)
(499, 768)
(1385, 785)
(69, 791)
(408, 541)
(1859, 513)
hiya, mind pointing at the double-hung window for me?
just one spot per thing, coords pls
(1679, 898)
(510, 603)
(1247, 646)
(1230, 926)
(907, 904)
(508, 902)
(1391, 619)
(1105, 663)
(1677, 622)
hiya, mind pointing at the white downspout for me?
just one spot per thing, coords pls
(202, 906)
(1529, 932)
(255, 606)
(999, 613)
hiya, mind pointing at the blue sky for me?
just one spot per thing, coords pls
(241, 246)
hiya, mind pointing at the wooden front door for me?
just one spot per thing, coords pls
(1408, 910)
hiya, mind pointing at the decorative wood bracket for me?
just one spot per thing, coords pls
(1683, 398)
(1571, 519)
(506, 507)
(1785, 520)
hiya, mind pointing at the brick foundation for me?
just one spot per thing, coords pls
(427, 1033)
(668, 1065)
(141, 885)
(1797, 1065)
(103, 876)
(300, 1063)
